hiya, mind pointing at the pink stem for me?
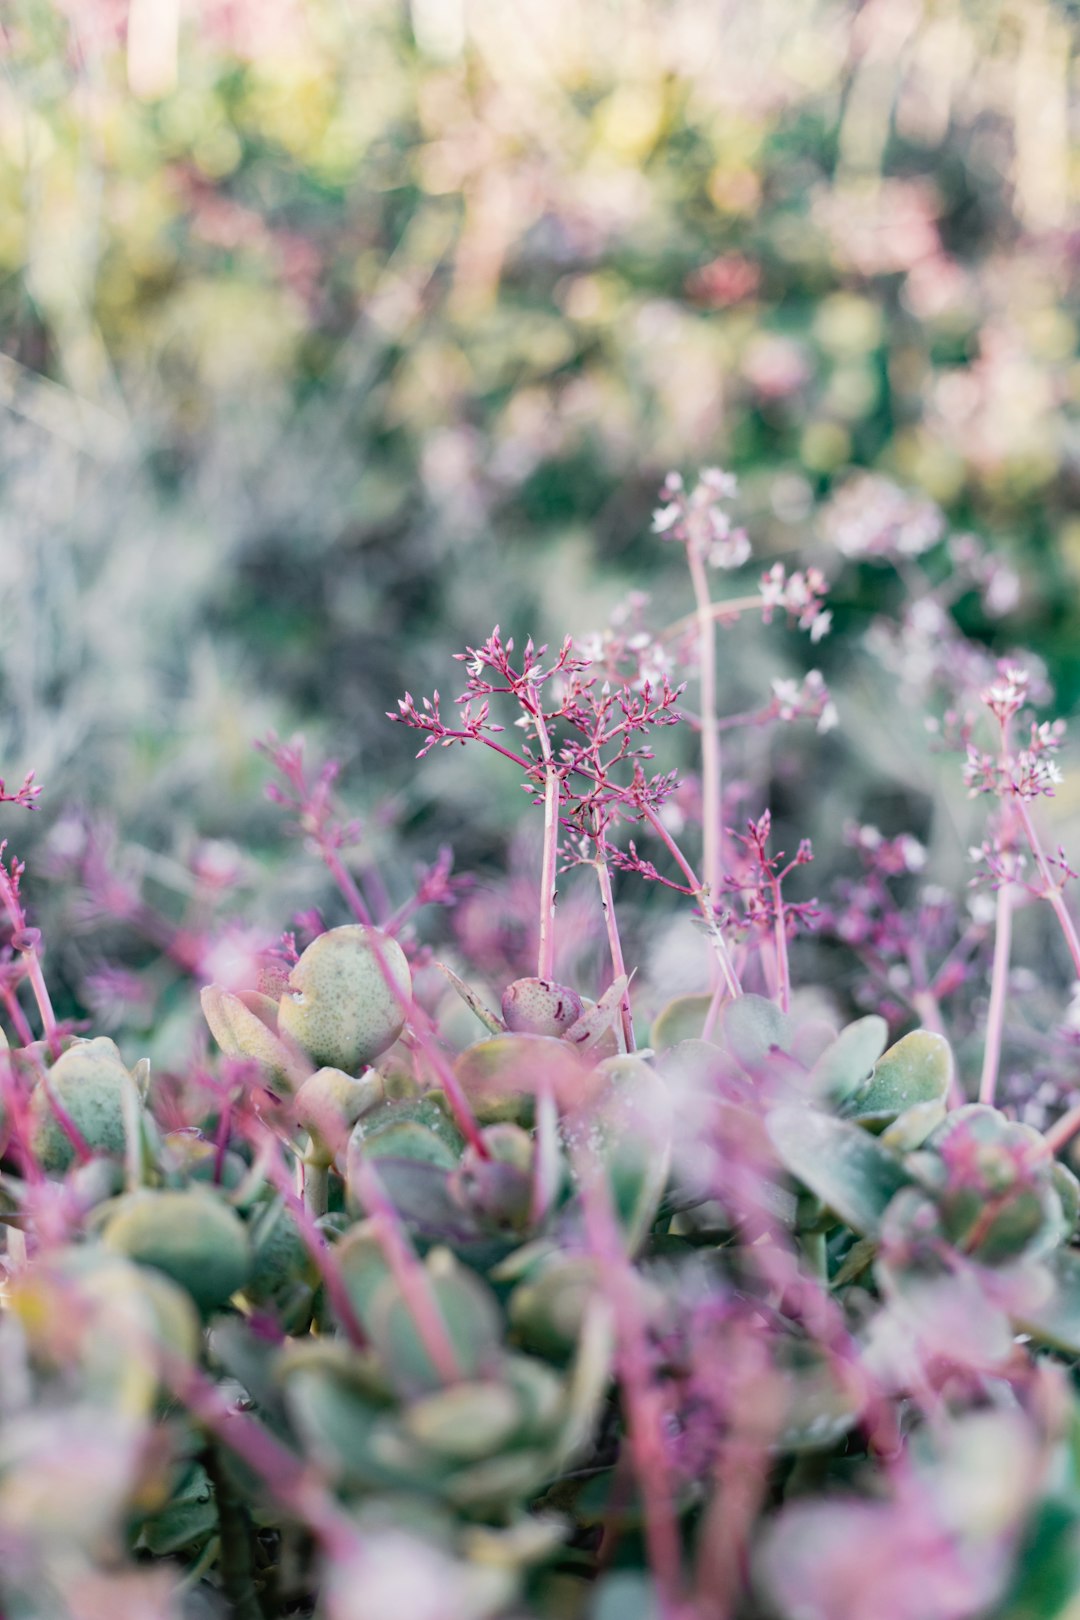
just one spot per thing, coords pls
(314, 1241)
(285, 1477)
(420, 1027)
(783, 968)
(346, 883)
(999, 988)
(409, 1274)
(1063, 1130)
(545, 966)
(1051, 887)
(643, 1399)
(718, 611)
(711, 816)
(24, 941)
(727, 967)
(528, 765)
(611, 922)
(17, 1016)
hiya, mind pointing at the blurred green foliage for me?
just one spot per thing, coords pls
(332, 334)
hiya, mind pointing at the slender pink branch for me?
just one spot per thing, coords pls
(783, 967)
(711, 816)
(1063, 1130)
(999, 988)
(700, 894)
(314, 1240)
(287, 1480)
(421, 1030)
(999, 976)
(1051, 887)
(618, 965)
(17, 1016)
(643, 1399)
(345, 882)
(25, 942)
(528, 765)
(409, 1274)
(545, 966)
(718, 611)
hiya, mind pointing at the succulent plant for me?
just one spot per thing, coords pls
(540, 1007)
(85, 1089)
(191, 1236)
(347, 997)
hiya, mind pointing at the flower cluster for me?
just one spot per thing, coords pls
(871, 518)
(800, 594)
(697, 520)
(1025, 773)
(25, 796)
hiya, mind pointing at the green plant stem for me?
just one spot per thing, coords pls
(237, 1562)
(316, 1188)
(814, 1249)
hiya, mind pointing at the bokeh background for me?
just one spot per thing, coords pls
(333, 332)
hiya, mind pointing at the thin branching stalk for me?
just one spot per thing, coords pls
(287, 1480)
(999, 975)
(346, 883)
(783, 966)
(1062, 1131)
(410, 1276)
(999, 989)
(642, 1397)
(711, 781)
(545, 963)
(1051, 889)
(25, 942)
(618, 964)
(700, 893)
(313, 1238)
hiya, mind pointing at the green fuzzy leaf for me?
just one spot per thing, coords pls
(918, 1069)
(848, 1170)
(467, 1421)
(910, 1129)
(1046, 1565)
(751, 1027)
(683, 1019)
(189, 1519)
(340, 1426)
(469, 1316)
(1068, 1190)
(1055, 1319)
(625, 1595)
(848, 1061)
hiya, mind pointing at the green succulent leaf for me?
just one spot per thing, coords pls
(683, 1019)
(1054, 1319)
(847, 1063)
(848, 1170)
(751, 1026)
(917, 1070)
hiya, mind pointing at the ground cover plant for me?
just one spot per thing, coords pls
(420, 1292)
(346, 319)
